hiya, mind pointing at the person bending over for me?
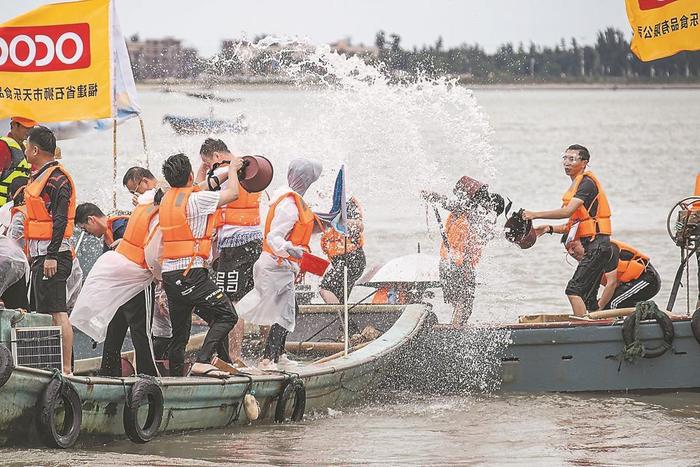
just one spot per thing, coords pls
(188, 218)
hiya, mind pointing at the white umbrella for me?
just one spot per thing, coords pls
(414, 268)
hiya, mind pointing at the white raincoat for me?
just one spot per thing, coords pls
(272, 299)
(13, 263)
(113, 281)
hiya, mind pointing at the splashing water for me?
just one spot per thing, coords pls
(396, 138)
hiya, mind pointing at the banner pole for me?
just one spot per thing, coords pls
(345, 306)
(143, 139)
(114, 164)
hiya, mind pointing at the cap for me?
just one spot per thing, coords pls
(26, 122)
(467, 186)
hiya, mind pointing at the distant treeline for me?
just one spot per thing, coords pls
(609, 59)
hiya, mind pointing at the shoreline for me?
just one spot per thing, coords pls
(582, 86)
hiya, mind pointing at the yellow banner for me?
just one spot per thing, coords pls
(662, 28)
(55, 63)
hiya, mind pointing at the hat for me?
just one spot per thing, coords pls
(25, 122)
(256, 173)
(467, 186)
(520, 231)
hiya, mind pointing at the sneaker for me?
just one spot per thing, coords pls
(285, 361)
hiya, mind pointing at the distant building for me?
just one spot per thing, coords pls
(162, 58)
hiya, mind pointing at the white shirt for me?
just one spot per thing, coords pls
(199, 206)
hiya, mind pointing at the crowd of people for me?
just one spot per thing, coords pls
(194, 243)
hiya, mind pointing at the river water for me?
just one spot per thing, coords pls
(395, 142)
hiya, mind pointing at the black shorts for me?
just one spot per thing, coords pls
(628, 294)
(333, 279)
(586, 279)
(458, 282)
(50, 294)
(234, 269)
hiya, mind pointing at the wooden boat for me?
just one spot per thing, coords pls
(37, 404)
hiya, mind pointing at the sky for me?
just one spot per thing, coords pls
(205, 23)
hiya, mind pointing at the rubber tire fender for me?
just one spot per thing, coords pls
(59, 391)
(6, 365)
(694, 326)
(296, 387)
(144, 391)
(666, 328)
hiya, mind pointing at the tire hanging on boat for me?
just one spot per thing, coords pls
(694, 325)
(294, 387)
(144, 391)
(58, 391)
(630, 328)
(6, 365)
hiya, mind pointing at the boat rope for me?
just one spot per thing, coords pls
(643, 311)
(248, 390)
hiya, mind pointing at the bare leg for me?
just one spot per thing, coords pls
(61, 319)
(577, 305)
(328, 297)
(235, 340)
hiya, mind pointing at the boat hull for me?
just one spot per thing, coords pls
(200, 403)
(559, 357)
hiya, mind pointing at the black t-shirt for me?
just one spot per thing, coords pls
(615, 253)
(587, 192)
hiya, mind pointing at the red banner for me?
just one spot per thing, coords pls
(45, 48)
(651, 4)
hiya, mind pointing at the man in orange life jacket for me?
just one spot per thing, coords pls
(588, 211)
(628, 277)
(91, 219)
(288, 228)
(239, 236)
(132, 314)
(465, 233)
(343, 251)
(144, 187)
(188, 218)
(50, 202)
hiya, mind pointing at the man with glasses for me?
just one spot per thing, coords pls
(139, 180)
(586, 207)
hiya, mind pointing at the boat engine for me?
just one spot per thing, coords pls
(683, 226)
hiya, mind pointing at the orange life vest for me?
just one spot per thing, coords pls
(178, 240)
(39, 223)
(630, 269)
(109, 233)
(461, 240)
(333, 242)
(136, 236)
(696, 205)
(303, 227)
(381, 297)
(243, 211)
(589, 226)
